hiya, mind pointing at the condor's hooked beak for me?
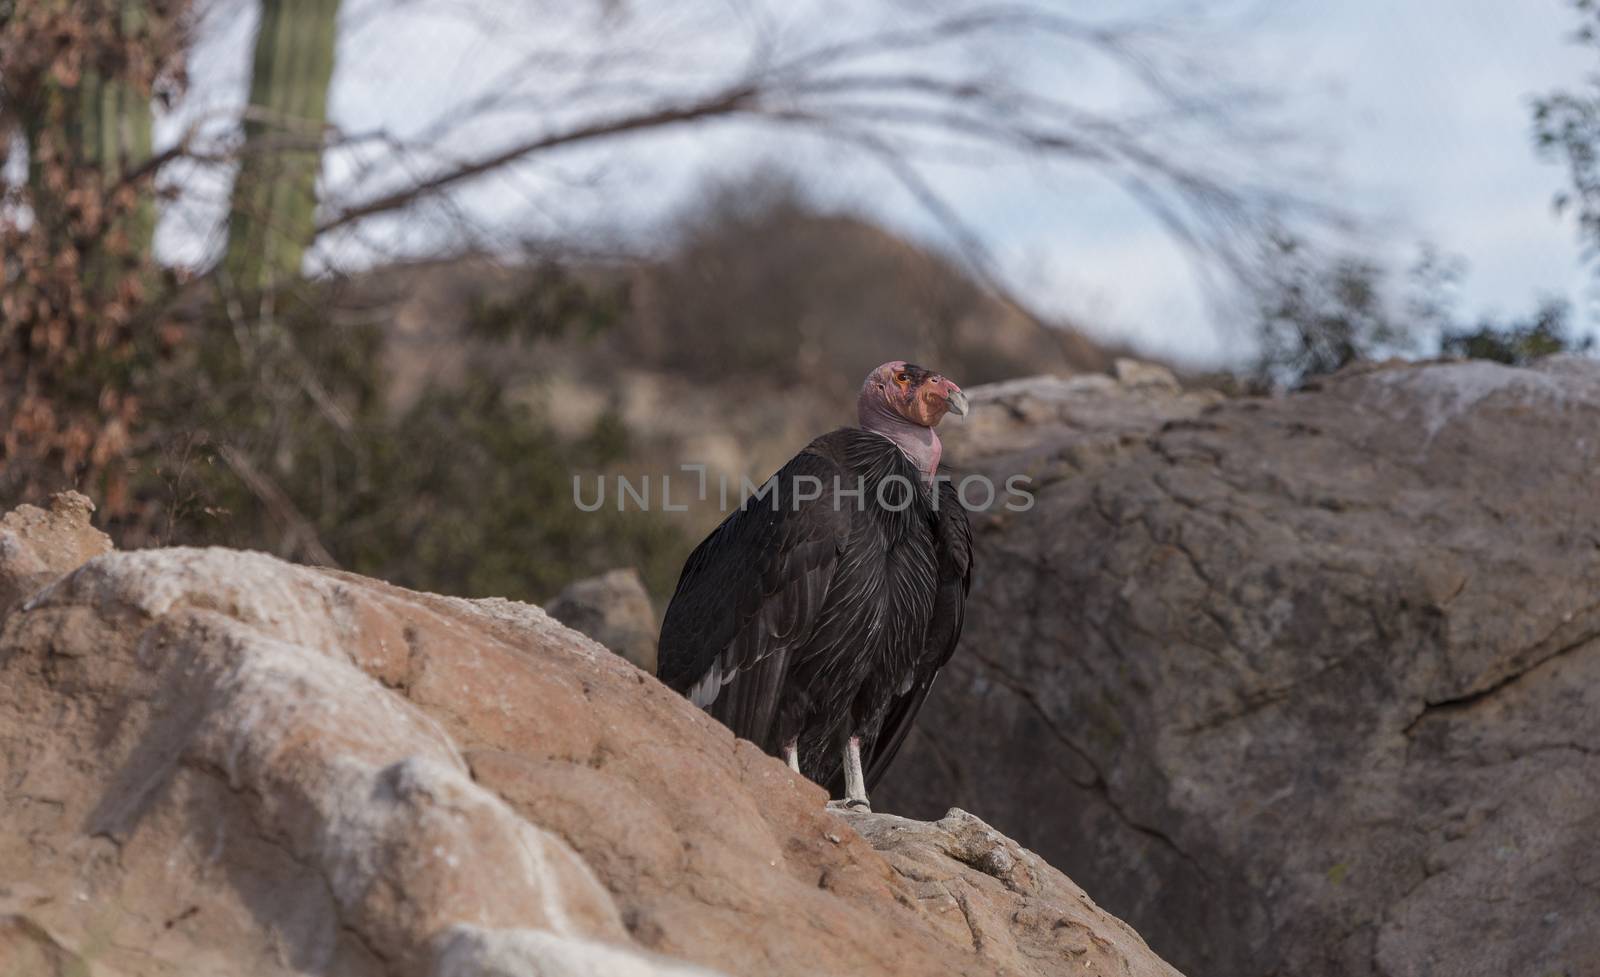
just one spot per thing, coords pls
(957, 401)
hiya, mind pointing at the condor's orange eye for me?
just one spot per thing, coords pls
(902, 378)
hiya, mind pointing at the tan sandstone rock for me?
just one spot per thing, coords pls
(218, 763)
(39, 545)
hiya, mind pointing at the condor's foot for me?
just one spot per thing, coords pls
(856, 804)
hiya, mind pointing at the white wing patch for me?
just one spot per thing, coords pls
(711, 684)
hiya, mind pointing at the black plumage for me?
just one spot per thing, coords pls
(811, 621)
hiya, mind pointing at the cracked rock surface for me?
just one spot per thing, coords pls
(1306, 685)
(213, 762)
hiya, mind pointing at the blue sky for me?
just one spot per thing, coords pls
(1415, 117)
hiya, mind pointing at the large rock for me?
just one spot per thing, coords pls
(214, 762)
(1307, 685)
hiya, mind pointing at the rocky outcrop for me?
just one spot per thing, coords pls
(214, 762)
(38, 545)
(613, 609)
(1306, 685)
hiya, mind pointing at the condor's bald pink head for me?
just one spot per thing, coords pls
(916, 394)
(904, 402)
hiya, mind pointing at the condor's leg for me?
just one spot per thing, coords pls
(855, 782)
(791, 754)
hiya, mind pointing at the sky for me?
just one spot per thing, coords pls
(1414, 118)
(1423, 107)
(1426, 103)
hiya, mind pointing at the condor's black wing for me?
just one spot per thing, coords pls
(751, 594)
(953, 538)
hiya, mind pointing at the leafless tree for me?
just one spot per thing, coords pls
(554, 99)
(481, 124)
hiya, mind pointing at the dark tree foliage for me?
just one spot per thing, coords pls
(1566, 129)
(1545, 332)
(1316, 314)
(551, 303)
(278, 433)
(476, 498)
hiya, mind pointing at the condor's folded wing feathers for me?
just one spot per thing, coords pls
(954, 542)
(750, 595)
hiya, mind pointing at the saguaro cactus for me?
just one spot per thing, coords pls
(275, 193)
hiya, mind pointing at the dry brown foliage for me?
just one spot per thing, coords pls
(76, 80)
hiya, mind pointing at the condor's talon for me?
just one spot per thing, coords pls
(855, 805)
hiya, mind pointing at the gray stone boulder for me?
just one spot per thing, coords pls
(1306, 685)
(613, 609)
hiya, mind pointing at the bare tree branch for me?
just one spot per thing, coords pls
(905, 90)
(723, 104)
(299, 535)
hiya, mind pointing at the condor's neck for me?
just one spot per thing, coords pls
(918, 443)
